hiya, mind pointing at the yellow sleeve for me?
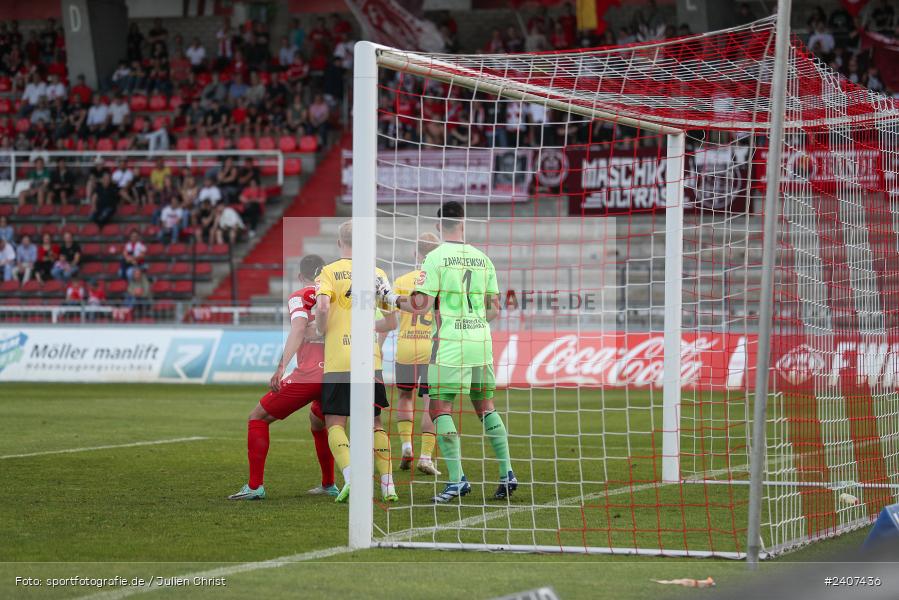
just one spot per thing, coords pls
(325, 283)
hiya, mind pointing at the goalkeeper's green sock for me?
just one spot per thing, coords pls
(499, 439)
(448, 439)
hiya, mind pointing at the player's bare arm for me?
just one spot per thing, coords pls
(387, 323)
(295, 339)
(323, 307)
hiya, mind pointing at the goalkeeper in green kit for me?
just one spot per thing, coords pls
(458, 282)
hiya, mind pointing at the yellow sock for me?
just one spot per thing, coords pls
(382, 452)
(340, 446)
(427, 445)
(405, 429)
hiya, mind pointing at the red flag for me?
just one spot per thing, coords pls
(853, 7)
(390, 23)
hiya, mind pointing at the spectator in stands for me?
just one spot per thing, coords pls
(96, 297)
(119, 112)
(873, 81)
(227, 180)
(47, 255)
(495, 45)
(81, 91)
(94, 175)
(41, 112)
(105, 200)
(252, 197)
(133, 255)
(139, 294)
(62, 183)
(535, 40)
(34, 91)
(55, 88)
(71, 251)
(319, 114)
(286, 53)
(298, 69)
(7, 259)
(297, 117)
(39, 184)
(170, 220)
(276, 93)
(158, 174)
(821, 42)
(76, 293)
(214, 92)
(189, 191)
(204, 221)
(558, 39)
(6, 230)
(135, 43)
(256, 92)
(237, 89)
(124, 179)
(158, 38)
(224, 45)
(196, 54)
(210, 192)
(62, 269)
(228, 224)
(6, 148)
(332, 82)
(98, 116)
(297, 33)
(26, 257)
(514, 41)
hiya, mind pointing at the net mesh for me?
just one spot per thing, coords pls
(561, 161)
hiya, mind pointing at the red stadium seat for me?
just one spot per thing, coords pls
(219, 249)
(93, 269)
(293, 166)
(204, 269)
(175, 102)
(246, 143)
(123, 144)
(6, 210)
(32, 287)
(117, 288)
(127, 210)
(161, 287)
(184, 143)
(112, 230)
(266, 143)
(176, 249)
(52, 288)
(90, 230)
(91, 249)
(204, 143)
(138, 125)
(180, 269)
(264, 77)
(67, 210)
(203, 79)
(287, 143)
(221, 143)
(5, 84)
(161, 121)
(105, 145)
(158, 103)
(308, 143)
(22, 125)
(149, 230)
(47, 210)
(181, 288)
(9, 287)
(157, 269)
(25, 210)
(5, 106)
(138, 103)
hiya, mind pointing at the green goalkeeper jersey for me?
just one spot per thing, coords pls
(459, 276)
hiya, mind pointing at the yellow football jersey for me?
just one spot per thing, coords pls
(413, 341)
(335, 282)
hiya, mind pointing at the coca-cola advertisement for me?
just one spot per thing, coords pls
(619, 359)
(601, 180)
(709, 360)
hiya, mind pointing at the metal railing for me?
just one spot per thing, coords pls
(86, 158)
(153, 311)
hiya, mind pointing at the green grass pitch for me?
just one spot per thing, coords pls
(160, 510)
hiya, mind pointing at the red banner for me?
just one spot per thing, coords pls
(886, 56)
(389, 22)
(602, 180)
(709, 361)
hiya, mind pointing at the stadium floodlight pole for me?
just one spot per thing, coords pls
(674, 256)
(362, 329)
(766, 308)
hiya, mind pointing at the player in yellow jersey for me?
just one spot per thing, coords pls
(334, 306)
(413, 353)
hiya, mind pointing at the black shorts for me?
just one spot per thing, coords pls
(409, 377)
(336, 394)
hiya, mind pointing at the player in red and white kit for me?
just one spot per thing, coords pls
(301, 387)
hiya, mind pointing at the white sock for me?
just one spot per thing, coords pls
(407, 448)
(346, 474)
(424, 458)
(386, 483)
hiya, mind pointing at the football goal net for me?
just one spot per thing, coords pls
(696, 243)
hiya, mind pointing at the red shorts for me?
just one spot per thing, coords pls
(292, 397)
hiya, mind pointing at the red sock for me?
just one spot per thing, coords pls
(325, 458)
(257, 450)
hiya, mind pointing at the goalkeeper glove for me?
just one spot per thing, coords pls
(387, 295)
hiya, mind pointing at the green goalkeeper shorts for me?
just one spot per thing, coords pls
(446, 382)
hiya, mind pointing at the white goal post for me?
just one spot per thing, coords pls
(721, 461)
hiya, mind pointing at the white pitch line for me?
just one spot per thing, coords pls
(224, 572)
(111, 447)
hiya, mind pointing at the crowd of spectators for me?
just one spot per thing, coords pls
(246, 86)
